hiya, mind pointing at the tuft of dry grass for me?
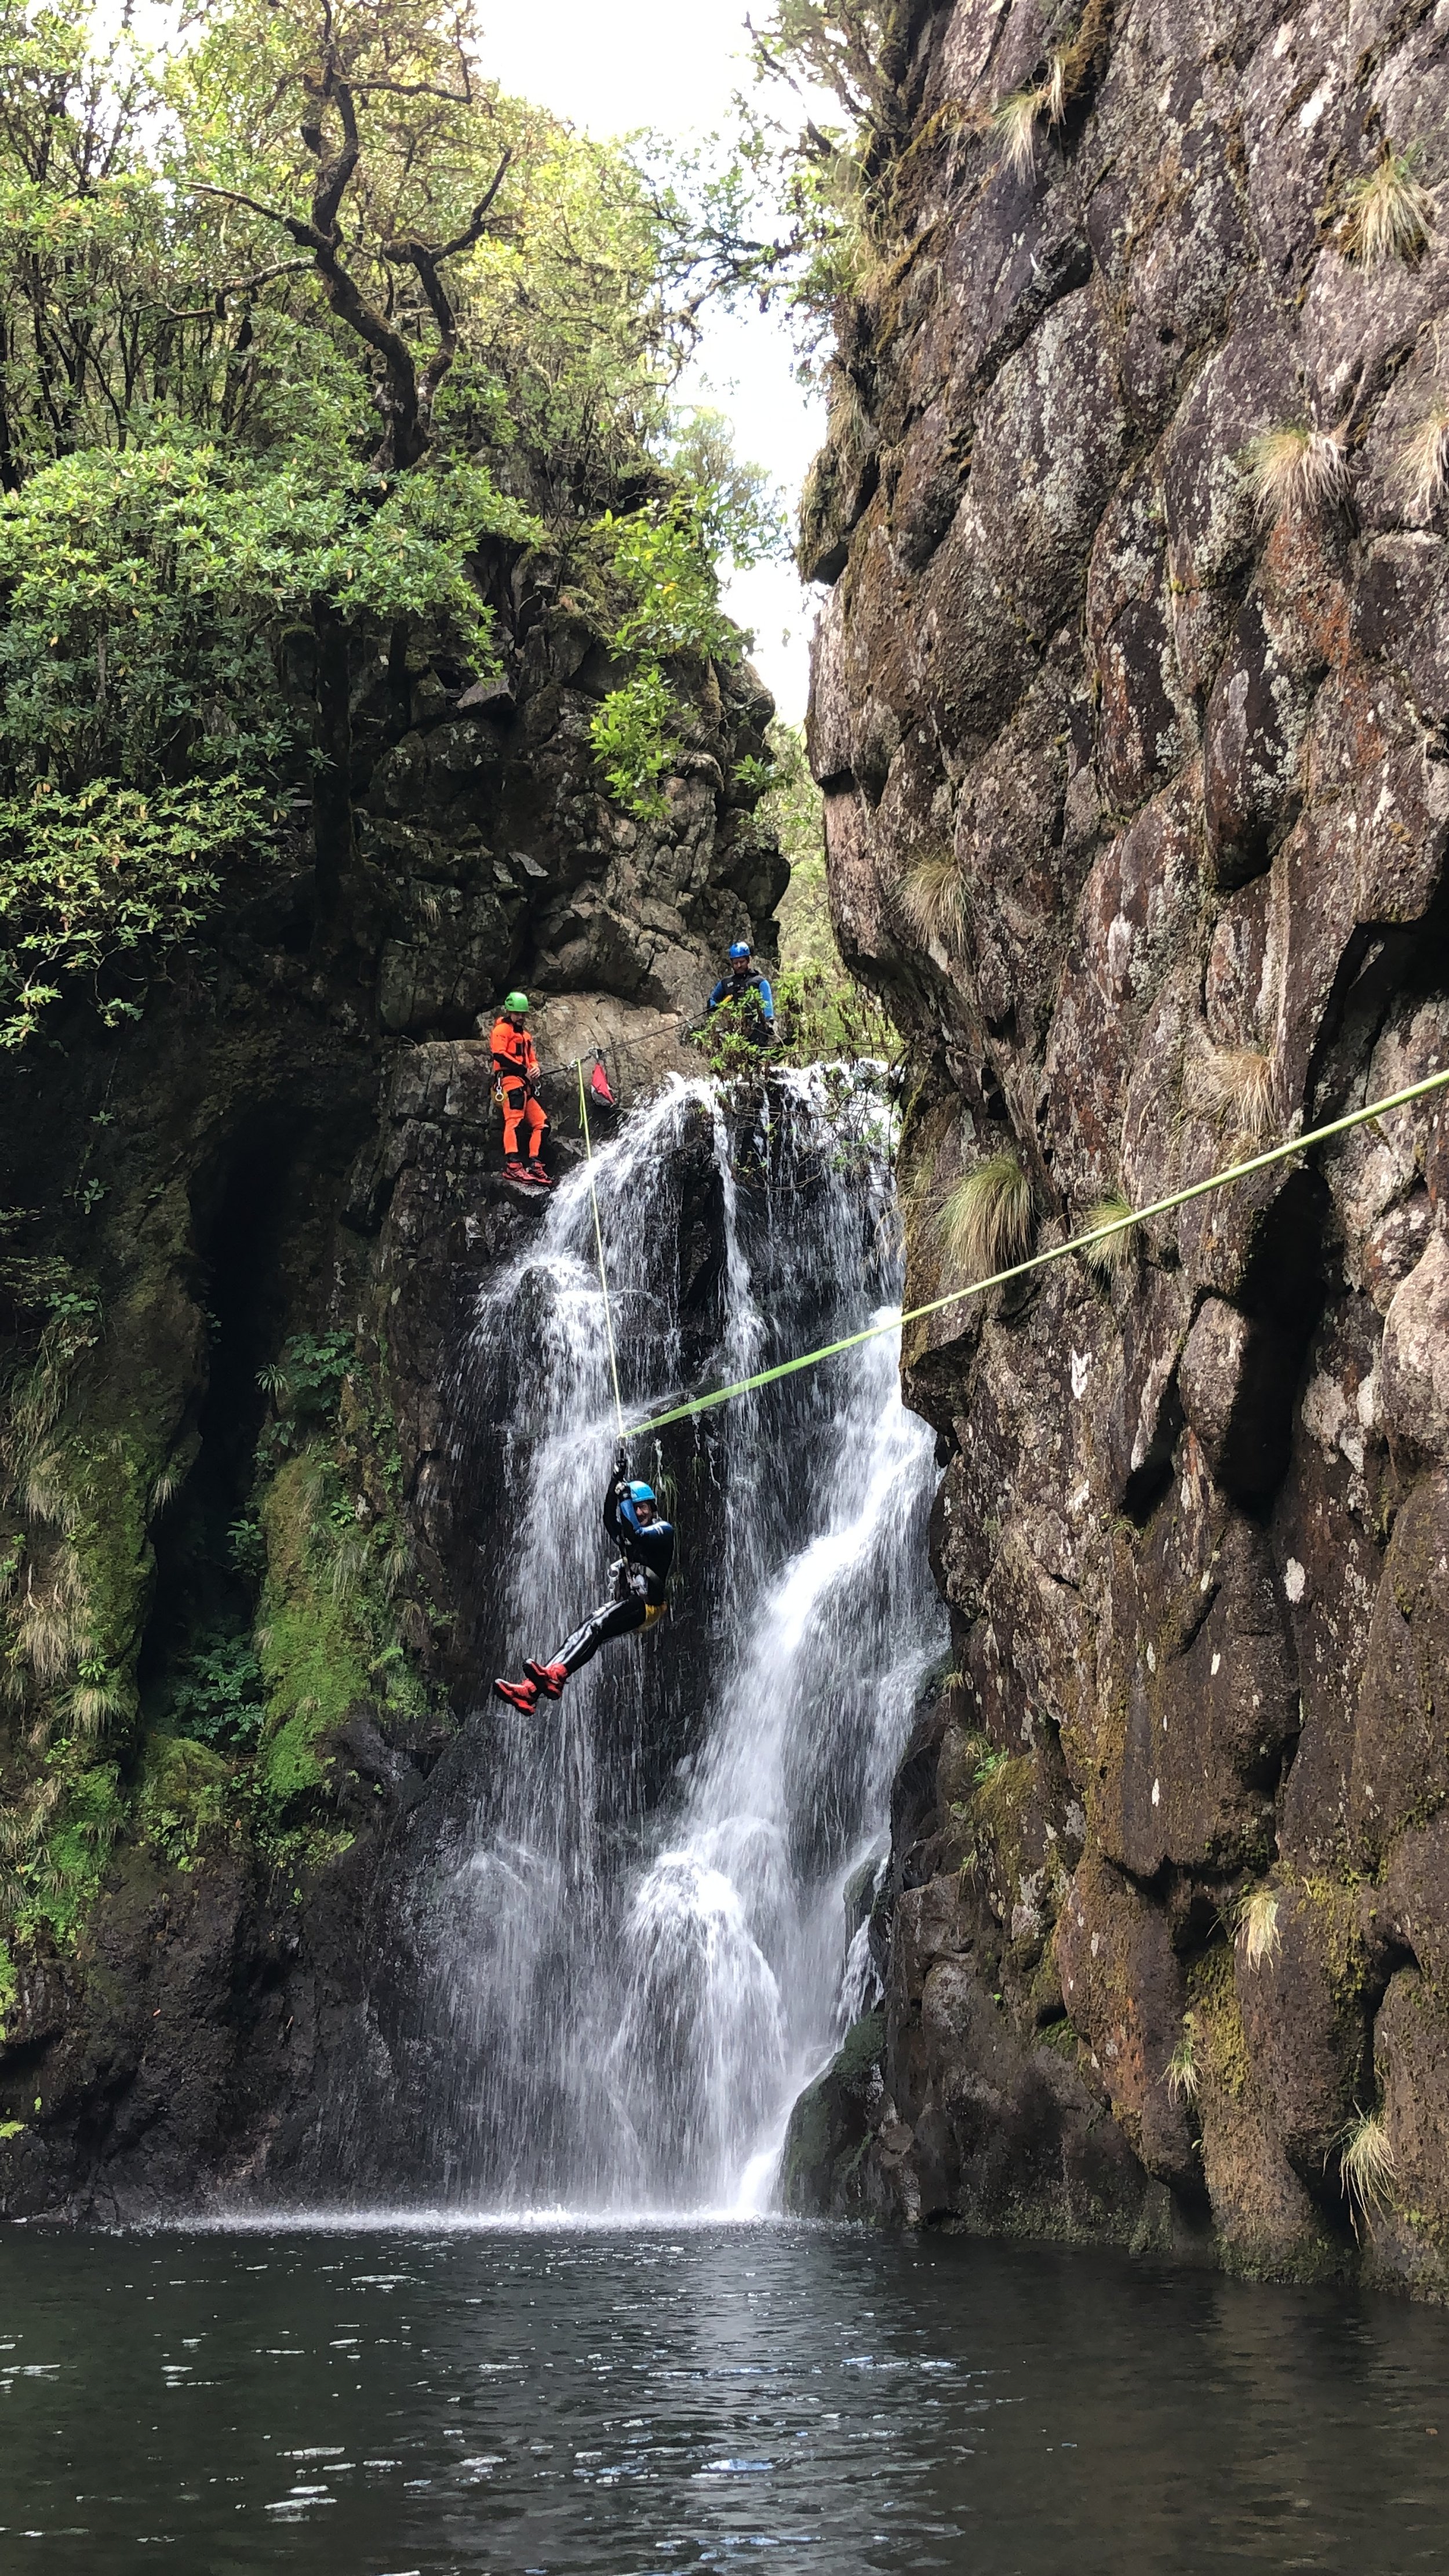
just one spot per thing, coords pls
(349, 1565)
(1015, 120)
(40, 1486)
(1366, 2165)
(90, 1705)
(1182, 2075)
(23, 1823)
(933, 896)
(52, 1620)
(1255, 1926)
(1235, 1085)
(985, 1220)
(1297, 469)
(1424, 460)
(397, 1565)
(1390, 214)
(1117, 1252)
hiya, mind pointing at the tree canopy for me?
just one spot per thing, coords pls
(292, 316)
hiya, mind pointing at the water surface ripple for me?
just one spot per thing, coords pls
(632, 2402)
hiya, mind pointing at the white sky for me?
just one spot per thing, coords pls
(611, 66)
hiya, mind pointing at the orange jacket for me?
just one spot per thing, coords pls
(513, 1052)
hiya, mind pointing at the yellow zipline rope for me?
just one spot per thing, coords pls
(599, 1246)
(1037, 1260)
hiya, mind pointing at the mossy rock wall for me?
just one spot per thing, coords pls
(241, 1592)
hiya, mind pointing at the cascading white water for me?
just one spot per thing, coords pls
(642, 1949)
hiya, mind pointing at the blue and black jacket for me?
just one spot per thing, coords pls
(648, 1553)
(735, 986)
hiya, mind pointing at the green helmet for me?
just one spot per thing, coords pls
(516, 1002)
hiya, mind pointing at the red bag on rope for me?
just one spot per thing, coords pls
(599, 1087)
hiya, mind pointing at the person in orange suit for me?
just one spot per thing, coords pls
(516, 1067)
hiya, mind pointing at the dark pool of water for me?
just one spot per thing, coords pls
(638, 2402)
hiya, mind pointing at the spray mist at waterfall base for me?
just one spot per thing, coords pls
(636, 1940)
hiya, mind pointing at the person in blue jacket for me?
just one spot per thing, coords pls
(640, 1598)
(745, 983)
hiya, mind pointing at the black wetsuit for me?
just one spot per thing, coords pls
(641, 1582)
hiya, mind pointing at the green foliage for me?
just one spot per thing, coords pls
(60, 1879)
(199, 348)
(247, 1550)
(794, 809)
(217, 1694)
(304, 1386)
(635, 740)
(328, 1635)
(822, 1013)
(144, 591)
(88, 880)
(185, 1798)
(663, 559)
(9, 1987)
(823, 1017)
(142, 714)
(736, 1038)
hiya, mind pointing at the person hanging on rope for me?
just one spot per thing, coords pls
(743, 982)
(640, 1597)
(515, 1066)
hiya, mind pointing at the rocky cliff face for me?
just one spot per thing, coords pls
(1130, 711)
(242, 1567)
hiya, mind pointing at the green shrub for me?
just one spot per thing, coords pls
(218, 1694)
(186, 1790)
(305, 1386)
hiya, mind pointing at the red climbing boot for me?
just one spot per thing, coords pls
(516, 1171)
(550, 1678)
(537, 1173)
(522, 1695)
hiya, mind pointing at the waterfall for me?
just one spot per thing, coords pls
(639, 1942)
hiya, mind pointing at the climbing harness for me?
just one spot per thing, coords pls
(1037, 1260)
(599, 1246)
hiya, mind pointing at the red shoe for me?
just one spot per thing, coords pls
(550, 1678)
(522, 1695)
(516, 1171)
(537, 1173)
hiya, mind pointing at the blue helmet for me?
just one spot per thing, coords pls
(740, 949)
(642, 1493)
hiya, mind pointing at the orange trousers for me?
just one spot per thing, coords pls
(518, 1108)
